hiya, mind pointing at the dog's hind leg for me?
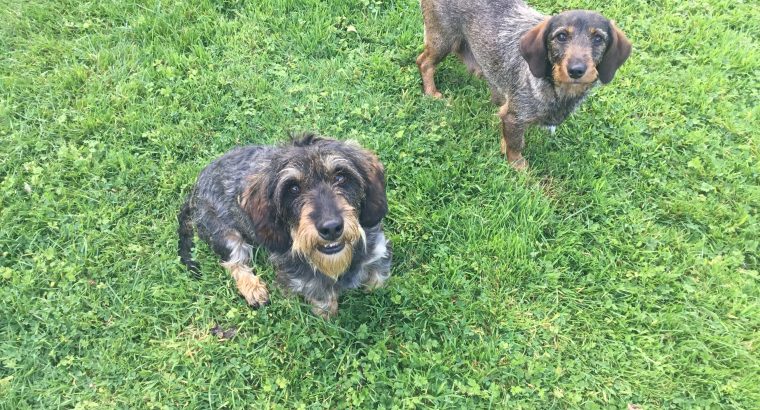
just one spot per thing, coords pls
(238, 256)
(426, 63)
(465, 53)
(437, 46)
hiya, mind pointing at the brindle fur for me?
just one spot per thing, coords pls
(281, 198)
(518, 52)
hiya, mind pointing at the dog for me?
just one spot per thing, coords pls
(539, 68)
(316, 205)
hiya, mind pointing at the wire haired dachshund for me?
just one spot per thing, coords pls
(539, 68)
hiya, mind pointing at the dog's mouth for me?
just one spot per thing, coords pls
(579, 81)
(331, 248)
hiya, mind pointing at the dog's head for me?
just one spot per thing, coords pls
(315, 198)
(576, 48)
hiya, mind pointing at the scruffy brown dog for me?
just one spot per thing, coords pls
(539, 68)
(316, 205)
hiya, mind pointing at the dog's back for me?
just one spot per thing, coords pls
(486, 31)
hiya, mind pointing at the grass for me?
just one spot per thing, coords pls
(622, 268)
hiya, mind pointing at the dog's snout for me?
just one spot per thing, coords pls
(576, 69)
(330, 229)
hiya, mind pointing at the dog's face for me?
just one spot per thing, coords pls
(319, 193)
(576, 47)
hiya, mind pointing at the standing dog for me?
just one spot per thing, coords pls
(539, 68)
(316, 205)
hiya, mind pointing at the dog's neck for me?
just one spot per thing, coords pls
(558, 100)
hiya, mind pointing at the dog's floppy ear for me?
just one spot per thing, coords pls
(615, 55)
(256, 201)
(533, 49)
(375, 205)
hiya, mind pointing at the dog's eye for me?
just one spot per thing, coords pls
(598, 39)
(294, 189)
(562, 37)
(339, 178)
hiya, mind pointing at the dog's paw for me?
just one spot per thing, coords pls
(195, 270)
(254, 290)
(433, 93)
(376, 280)
(324, 309)
(324, 314)
(520, 164)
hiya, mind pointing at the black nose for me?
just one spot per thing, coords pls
(576, 70)
(330, 229)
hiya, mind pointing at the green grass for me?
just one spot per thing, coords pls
(622, 268)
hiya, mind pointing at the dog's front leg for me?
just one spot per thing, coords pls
(253, 289)
(512, 138)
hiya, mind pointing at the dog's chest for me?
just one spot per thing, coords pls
(558, 113)
(555, 111)
(537, 102)
(358, 273)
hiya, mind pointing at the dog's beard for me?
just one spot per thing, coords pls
(306, 242)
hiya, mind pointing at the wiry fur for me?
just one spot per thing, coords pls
(512, 46)
(281, 198)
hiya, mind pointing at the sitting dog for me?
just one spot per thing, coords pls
(539, 68)
(316, 205)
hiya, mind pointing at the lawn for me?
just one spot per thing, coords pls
(621, 268)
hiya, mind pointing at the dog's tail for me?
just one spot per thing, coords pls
(185, 232)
